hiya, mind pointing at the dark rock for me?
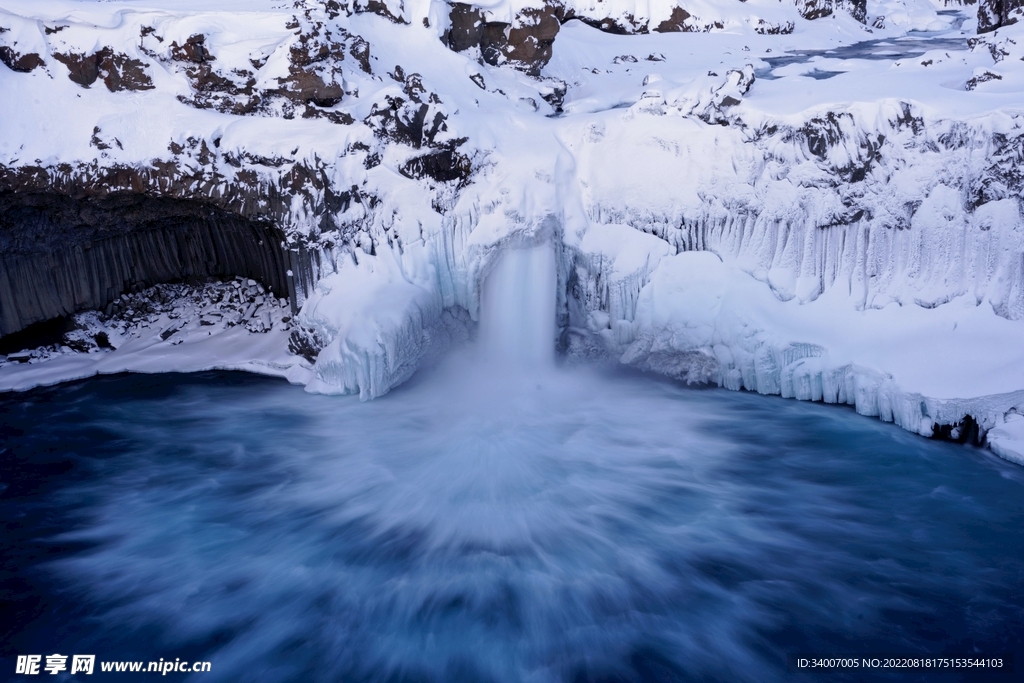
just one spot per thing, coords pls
(381, 9)
(466, 27)
(46, 333)
(444, 165)
(315, 78)
(530, 39)
(194, 50)
(62, 254)
(814, 9)
(359, 49)
(609, 25)
(967, 431)
(858, 9)
(983, 77)
(524, 44)
(310, 87)
(119, 71)
(765, 28)
(409, 122)
(306, 343)
(82, 69)
(993, 14)
(19, 62)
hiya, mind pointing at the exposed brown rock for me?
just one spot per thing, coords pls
(315, 79)
(119, 71)
(194, 50)
(381, 9)
(525, 44)
(310, 87)
(19, 62)
(531, 38)
(676, 22)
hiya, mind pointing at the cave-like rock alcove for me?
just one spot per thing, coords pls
(62, 254)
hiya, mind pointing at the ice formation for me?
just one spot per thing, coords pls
(816, 199)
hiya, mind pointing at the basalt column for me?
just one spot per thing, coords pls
(61, 254)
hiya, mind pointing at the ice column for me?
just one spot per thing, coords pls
(517, 316)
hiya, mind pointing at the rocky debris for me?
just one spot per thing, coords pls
(993, 14)
(166, 313)
(118, 71)
(22, 63)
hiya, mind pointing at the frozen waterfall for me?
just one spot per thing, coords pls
(517, 317)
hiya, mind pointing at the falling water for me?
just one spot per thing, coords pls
(517, 318)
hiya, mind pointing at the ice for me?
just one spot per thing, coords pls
(829, 214)
(376, 322)
(1007, 440)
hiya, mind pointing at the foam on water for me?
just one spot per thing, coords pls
(476, 525)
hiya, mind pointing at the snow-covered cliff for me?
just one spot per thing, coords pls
(815, 199)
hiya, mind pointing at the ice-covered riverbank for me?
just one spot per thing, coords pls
(857, 184)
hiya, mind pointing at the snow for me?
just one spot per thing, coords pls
(827, 214)
(377, 320)
(695, 302)
(233, 349)
(1007, 440)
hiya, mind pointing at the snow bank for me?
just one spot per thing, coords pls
(831, 212)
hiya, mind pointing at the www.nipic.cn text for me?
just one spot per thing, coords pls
(31, 665)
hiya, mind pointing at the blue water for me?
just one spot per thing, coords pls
(570, 526)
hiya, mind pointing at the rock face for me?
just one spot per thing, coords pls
(118, 71)
(61, 254)
(995, 13)
(525, 43)
(19, 62)
(314, 83)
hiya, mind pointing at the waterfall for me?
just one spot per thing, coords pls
(517, 317)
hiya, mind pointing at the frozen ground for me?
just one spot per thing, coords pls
(832, 213)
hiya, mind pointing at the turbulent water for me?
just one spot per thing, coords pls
(565, 526)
